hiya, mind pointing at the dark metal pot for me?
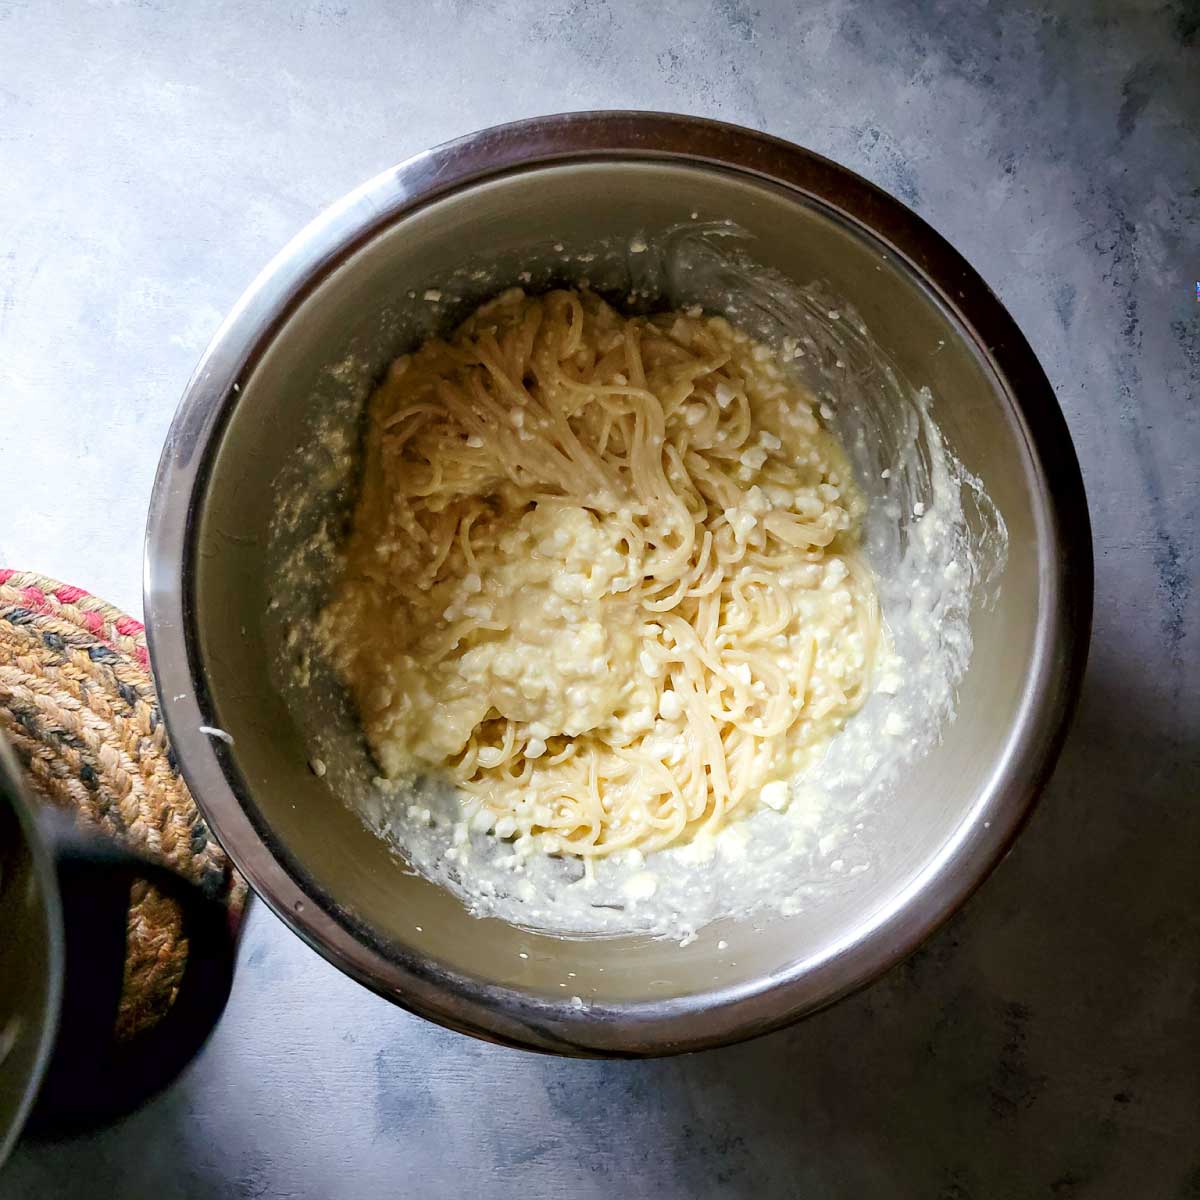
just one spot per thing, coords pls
(64, 901)
(350, 289)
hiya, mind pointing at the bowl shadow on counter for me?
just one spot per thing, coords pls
(1045, 1039)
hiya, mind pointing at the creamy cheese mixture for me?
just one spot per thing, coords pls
(604, 573)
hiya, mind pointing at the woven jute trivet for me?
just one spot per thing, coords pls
(78, 706)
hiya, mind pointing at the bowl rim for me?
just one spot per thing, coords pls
(509, 1015)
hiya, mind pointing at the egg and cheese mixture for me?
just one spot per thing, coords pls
(604, 572)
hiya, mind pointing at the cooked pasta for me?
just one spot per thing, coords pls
(604, 571)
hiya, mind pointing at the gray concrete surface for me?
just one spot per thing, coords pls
(1047, 1043)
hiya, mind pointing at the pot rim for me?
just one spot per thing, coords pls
(504, 1014)
(16, 794)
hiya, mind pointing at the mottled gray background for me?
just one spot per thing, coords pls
(1047, 1043)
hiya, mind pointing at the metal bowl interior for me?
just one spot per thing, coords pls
(352, 289)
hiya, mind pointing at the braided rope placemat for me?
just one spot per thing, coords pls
(79, 708)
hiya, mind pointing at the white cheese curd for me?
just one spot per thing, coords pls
(775, 794)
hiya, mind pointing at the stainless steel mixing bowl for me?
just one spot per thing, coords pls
(350, 290)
